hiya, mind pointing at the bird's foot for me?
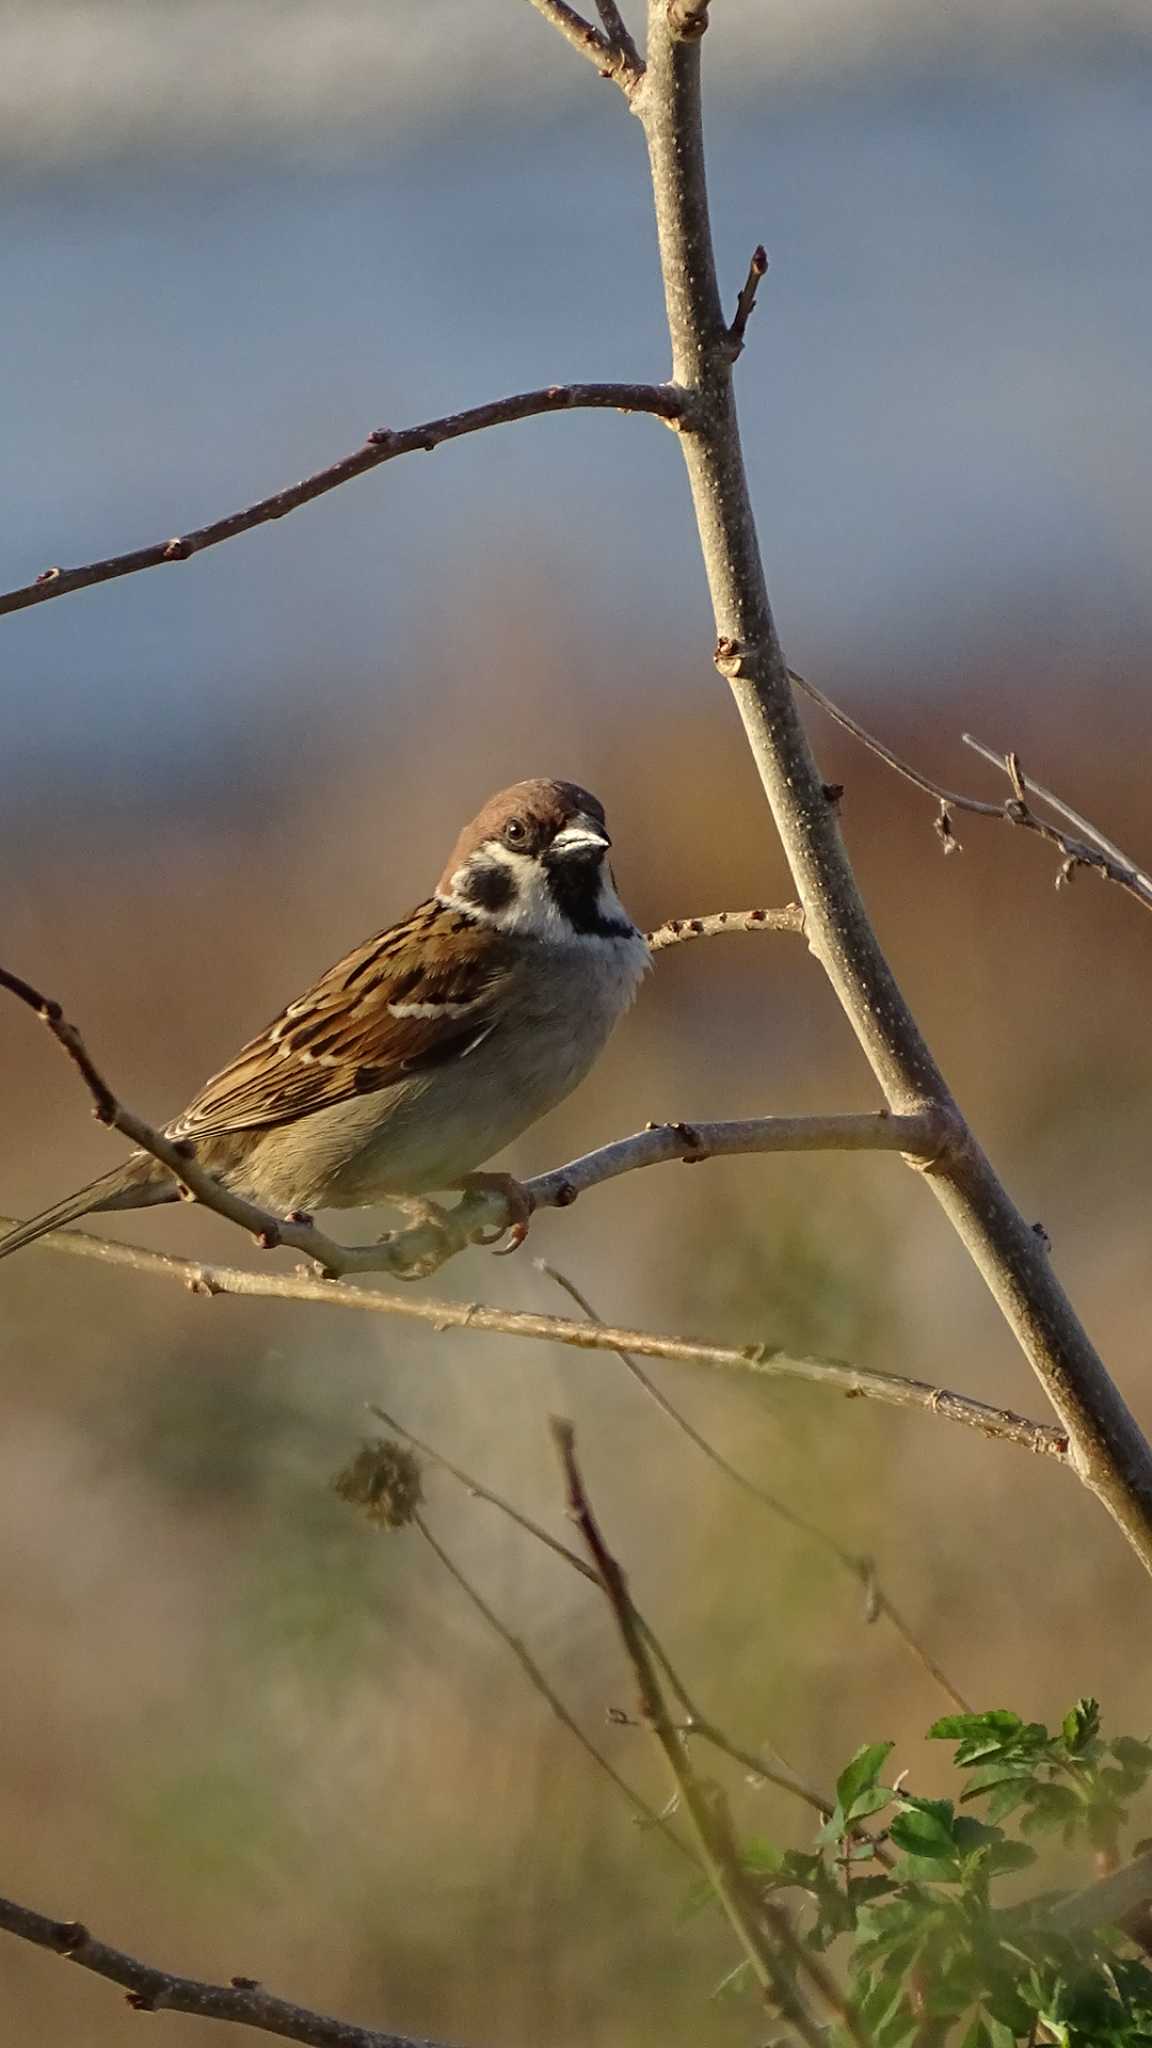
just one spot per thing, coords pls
(519, 1206)
(421, 1211)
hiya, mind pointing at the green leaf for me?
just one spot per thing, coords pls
(860, 1776)
(872, 1801)
(1006, 1797)
(985, 1776)
(977, 2036)
(969, 1834)
(958, 1727)
(1135, 1756)
(999, 2035)
(914, 1869)
(1005, 1856)
(1081, 1723)
(1050, 1806)
(924, 1827)
(762, 1857)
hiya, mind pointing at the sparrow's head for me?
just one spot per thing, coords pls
(533, 862)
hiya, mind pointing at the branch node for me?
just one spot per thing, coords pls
(944, 832)
(50, 575)
(69, 1936)
(687, 19)
(178, 550)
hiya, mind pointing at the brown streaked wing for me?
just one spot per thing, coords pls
(342, 1038)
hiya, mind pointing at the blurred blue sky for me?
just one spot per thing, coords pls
(946, 398)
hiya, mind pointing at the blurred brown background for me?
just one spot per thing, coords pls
(241, 1732)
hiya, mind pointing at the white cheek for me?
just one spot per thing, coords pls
(533, 911)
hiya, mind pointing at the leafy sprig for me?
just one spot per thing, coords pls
(936, 1946)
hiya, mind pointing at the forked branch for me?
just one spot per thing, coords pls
(1085, 847)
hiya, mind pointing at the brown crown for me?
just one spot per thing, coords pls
(545, 806)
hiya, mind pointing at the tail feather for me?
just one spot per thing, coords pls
(136, 1185)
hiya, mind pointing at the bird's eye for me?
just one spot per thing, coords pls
(515, 832)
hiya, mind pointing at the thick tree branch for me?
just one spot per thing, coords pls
(243, 2001)
(1110, 1902)
(1109, 1451)
(384, 445)
(856, 1381)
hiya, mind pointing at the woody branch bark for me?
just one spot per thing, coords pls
(856, 1381)
(1108, 1449)
(487, 1213)
(383, 445)
(243, 2001)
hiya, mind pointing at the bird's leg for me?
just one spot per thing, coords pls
(519, 1208)
(420, 1209)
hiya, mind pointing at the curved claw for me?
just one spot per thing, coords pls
(519, 1208)
(516, 1237)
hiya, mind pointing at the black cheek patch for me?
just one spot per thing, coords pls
(489, 886)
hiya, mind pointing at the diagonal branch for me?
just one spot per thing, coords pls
(1109, 1450)
(662, 400)
(697, 1724)
(641, 1810)
(746, 303)
(763, 1930)
(855, 1381)
(243, 2001)
(618, 34)
(613, 52)
(861, 1568)
(1087, 848)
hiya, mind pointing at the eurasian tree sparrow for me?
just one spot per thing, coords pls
(434, 1044)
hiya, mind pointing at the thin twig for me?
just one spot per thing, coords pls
(860, 1568)
(746, 303)
(855, 1381)
(1116, 865)
(618, 34)
(680, 929)
(613, 59)
(640, 1807)
(1093, 850)
(420, 1250)
(699, 1804)
(243, 2001)
(384, 445)
(696, 1723)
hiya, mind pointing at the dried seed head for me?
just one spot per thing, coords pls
(384, 1480)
